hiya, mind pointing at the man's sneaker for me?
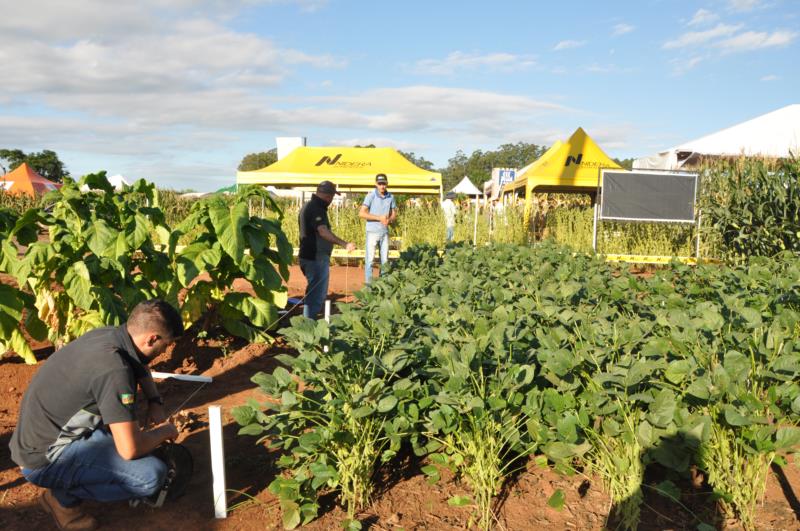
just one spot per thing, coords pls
(67, 518)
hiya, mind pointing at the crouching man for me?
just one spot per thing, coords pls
(77, 434)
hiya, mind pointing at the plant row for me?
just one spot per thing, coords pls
(478, 359)
(88, 258)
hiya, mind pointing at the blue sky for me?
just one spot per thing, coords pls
(178, 91)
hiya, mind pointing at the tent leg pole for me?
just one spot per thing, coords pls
(594, 228)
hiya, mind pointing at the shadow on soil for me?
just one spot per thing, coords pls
(673, 494)
(788, 491)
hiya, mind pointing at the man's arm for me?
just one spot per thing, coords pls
(326, 234)
(155, 410)
(364, 214)
(132, 442)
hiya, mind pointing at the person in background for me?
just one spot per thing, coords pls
(316, 245)
(77, 434)
(449, 209)
(380, 211)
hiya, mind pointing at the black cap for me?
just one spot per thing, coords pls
(381, 179)
(326, 187)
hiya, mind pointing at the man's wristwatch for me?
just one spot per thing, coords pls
(155, 400)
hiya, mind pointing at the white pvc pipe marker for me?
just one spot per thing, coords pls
(328, 310)
(217, 461)
(181, 377)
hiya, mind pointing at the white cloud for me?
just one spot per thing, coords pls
(744, 5)
(680, 66)
(425, 107)
(770, 77)
(197, 60)
(378, 142)
(622, 29)
(701, 17)
(755, 40)
(598, 68)
(175, 144)
(566, 45)
(695, 38)
(465, 61)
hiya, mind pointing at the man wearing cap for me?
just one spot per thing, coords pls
(78, 435)
(449, 209)
(316, 245)
(380, 210)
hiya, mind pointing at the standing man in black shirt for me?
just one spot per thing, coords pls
(77, 433)
(316, 245)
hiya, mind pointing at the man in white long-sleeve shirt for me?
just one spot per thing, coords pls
(450, 209)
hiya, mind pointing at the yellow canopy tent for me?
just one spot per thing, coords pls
(521, 182)
(352, 169)
(572, 166)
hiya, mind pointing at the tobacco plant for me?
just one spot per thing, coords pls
(15, 304)
(228, 244)
(99, 259)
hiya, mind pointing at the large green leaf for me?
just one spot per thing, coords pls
(228, 224)
(138, 231)
(78, 285)
(787, 439)
(20, 345)
(662, 410)
(101, 238)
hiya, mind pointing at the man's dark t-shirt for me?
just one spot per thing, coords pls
(312, 216)
(87, 383)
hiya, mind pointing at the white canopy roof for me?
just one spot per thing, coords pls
(466, 187)
(116, 181)
(774, 134)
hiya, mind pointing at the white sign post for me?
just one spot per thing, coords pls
(217, 461)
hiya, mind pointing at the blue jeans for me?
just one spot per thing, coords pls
(317, 273)
(92, 469)
(373, 239)
(449, 233)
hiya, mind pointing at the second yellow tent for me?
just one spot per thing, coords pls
(572, 166)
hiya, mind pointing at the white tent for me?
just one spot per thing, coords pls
(116, 181)
(466, 187)
(775, 135)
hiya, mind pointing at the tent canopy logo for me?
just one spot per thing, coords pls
(327, 160)
(576, 160)
(342, 163)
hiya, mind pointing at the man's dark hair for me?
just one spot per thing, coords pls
(157, 316)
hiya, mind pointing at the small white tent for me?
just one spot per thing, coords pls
(116, 181)
(775, 134)
(466, 187)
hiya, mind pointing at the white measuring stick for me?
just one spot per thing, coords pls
(327, 319)
(181, 377)
(217, 461)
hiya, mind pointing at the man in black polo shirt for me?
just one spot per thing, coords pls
(316, 245)
(77, 433)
